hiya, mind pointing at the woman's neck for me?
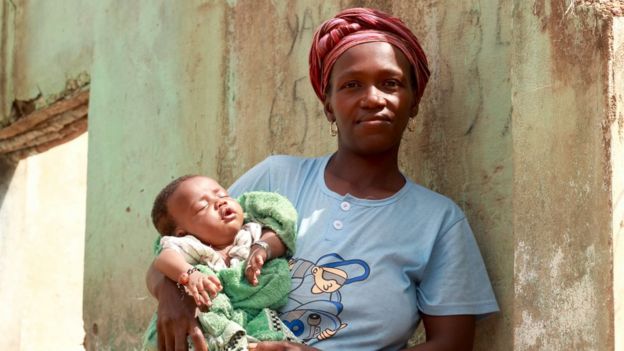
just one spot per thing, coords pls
(369, 177)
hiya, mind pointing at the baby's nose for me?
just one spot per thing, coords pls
(220, 202)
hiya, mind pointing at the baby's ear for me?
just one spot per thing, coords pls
(179, 232)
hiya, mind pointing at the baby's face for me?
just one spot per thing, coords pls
(202, 207)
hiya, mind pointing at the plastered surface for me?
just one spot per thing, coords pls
(511, 127)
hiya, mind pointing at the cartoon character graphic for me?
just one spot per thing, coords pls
(315, 302)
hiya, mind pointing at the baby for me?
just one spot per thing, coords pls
(209, 245)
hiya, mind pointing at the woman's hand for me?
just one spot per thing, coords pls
(280, 346)
(447, 333)
(176, 319)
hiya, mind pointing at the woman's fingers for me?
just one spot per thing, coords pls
(180, 342)
(176, 320)
(198, 339)
(162, 341)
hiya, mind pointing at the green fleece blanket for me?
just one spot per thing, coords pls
(243, 313)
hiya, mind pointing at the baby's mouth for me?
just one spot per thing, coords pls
(226, 213)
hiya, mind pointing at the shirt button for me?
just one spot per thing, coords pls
(338, 224)
(345, 206)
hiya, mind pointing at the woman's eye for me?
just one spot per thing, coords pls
(392, 83)
(222, 195)
(350, 85)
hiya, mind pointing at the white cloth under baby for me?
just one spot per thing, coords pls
(196, 252)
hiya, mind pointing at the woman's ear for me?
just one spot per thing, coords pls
(329, 111)
(414, 109)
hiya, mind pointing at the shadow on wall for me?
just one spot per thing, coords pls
(7, 169)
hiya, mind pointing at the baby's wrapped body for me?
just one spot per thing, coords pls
(241, 313)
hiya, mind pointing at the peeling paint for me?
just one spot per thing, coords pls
(562, 178)
(608, 8)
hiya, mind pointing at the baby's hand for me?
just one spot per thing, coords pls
(202, 288)
(257, 257)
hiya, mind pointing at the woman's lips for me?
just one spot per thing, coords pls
(374, 120)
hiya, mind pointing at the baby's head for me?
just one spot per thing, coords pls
(198, 206)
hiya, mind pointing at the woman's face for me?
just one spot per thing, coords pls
(371, 98)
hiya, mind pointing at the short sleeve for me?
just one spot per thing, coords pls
(455, 280)
(258, 178)
(189, 247)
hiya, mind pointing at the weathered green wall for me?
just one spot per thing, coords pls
(54, 44)
(196, 87)
(44, 50)
(562, 205)
(512, 127)
(159, 81)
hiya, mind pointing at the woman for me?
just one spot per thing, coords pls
(375, 252)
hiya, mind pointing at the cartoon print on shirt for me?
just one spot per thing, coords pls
(316, 294)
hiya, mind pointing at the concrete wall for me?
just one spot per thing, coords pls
(42, 226)
(44, 52)
(513, 127)
(616, 138)
(186, 81)
(159, 92)
(562, 178)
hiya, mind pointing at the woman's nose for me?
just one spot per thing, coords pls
(372, 99)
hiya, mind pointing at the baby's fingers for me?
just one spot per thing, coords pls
(205, 299)
(249, 274)
(193, 291)
(257, 261)
(252, 274)
(210, 287)
(214, 280)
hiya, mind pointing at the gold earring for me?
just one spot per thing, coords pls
(411, 124)
(333, 128)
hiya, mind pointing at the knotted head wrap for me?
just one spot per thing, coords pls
(356, 26)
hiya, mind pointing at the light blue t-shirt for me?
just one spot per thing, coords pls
(363, 269)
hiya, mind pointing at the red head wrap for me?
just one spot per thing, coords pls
(356, 26)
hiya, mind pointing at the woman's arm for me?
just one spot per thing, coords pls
(452, 333)
(176, 314)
